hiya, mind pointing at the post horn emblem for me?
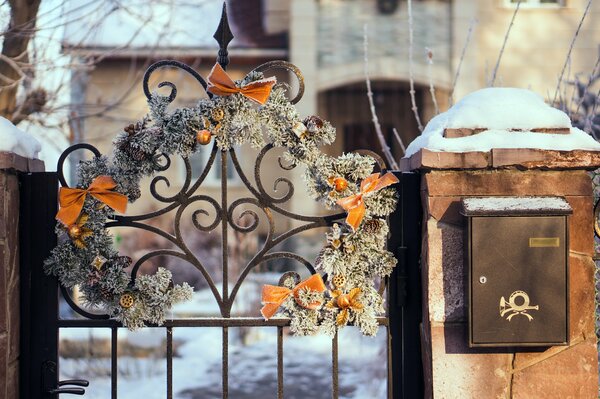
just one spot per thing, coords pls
(510, 309)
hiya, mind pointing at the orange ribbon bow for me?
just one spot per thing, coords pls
(221, 84)
(71, 199)
(355, 205)
(274, 295)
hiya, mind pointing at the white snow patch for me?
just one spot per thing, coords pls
(13, 139)
(500, 110)
(491, 204)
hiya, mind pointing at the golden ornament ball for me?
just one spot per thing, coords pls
(336, 243)
(217, 114)
(126, 301)
(203, 137)
(339, 280)
(343, 301)
(340, 184)
(74, 231)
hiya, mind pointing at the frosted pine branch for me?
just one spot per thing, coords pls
(414, 108)
(384, 146)
(562, 73)
(512, 21)
(462, 57)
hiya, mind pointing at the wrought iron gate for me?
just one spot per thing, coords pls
(40, 299)
(40, 293)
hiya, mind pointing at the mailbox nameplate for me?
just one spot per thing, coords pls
(518, 280)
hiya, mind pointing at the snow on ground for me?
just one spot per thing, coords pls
(500, 110)
(12, 139)
(253, 366)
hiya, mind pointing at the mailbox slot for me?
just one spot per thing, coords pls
(517, 263)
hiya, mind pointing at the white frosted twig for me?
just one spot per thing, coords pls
(429, 55)
(385, 149)
(585, 13)
(399, 140)
(493, 78)
(410, 67)
(462, 57)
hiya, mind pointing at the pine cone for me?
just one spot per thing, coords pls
(372, 226)
(106, 293)
(313, 123)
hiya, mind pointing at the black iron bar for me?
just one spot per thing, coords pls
(224, 234)
(279, 362)
(114, 341)
(169, 362)
(335, 367)
(225, 365)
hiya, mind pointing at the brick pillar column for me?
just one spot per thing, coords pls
(10, 166)
(452, 369)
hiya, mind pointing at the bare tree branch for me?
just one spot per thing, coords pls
(385, 149)
(14, 50)
(429, 55)
(462, 57)
(512, 21)
(567, 60)
(414, 108)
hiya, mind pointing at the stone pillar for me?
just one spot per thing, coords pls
(10, 166)
(451, 368)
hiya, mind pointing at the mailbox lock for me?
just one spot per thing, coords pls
(483, 279)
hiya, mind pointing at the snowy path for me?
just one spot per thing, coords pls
(253, 367)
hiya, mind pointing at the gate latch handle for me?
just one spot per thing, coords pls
(78, 383)
(72, 391)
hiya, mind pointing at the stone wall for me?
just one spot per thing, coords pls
(10, 166)
(452, 369)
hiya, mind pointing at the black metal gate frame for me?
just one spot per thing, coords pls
(39, 294)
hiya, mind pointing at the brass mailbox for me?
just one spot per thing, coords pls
(517, 263)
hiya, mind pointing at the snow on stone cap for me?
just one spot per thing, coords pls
(13, 139)
(515, 205)
(504, 108)
(500, 111)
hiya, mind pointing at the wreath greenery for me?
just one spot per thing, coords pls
(355, 255)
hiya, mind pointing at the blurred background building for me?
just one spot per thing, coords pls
(324, 38)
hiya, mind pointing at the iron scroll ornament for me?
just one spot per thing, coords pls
(354, 252)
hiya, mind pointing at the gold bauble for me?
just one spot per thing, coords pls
(203, 137)
(340, 184)
(339, 280)
(343, 301)
(336, 243)
(126, 301)
(74, 231)
(217, 114)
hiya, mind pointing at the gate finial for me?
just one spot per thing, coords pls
(223, 36)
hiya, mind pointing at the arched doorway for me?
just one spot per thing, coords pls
(347, 108)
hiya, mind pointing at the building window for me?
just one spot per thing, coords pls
(387, 6)
(535, 3)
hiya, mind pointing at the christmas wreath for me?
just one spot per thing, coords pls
(253, 110)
